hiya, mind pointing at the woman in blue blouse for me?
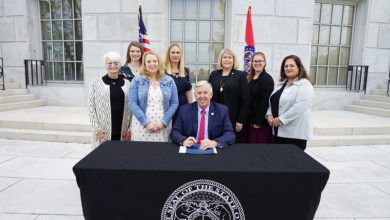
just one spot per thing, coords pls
(134, 54)
(152, 100)
(174, 66)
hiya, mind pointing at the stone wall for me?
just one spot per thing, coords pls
(281, 28)
(376, 52)
(110, 26)
(14, 40)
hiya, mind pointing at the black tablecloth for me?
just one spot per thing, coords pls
(133, 180)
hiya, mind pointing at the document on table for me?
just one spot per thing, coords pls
(195, 150)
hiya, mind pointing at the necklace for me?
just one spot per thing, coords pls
(112, 80)
(222, 83)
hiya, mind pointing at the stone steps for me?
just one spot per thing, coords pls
(13, 92)
(372, 127)
(6, 80)
(12, 85)
(19, 105)
(13, 97)
(374, 104)
(383, 86)
(45, 135)
(343, 131)
(378, 92)
(45, 126)
(16, 98)
(379, 98)
(349, 140)
(46, 123)
(22, 117)
(368, 110)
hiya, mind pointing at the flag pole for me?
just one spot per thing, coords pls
(249, 49)
(142, 33)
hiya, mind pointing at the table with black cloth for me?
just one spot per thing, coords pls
(133, 180)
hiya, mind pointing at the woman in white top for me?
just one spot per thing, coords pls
(289, 111)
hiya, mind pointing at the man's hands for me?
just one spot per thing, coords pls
(205, 144)
(189, 142)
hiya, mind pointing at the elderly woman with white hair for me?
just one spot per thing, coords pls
(107, 104)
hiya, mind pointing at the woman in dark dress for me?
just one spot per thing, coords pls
(174, 67)
(261, 85)
(230, 87)
(134, 54)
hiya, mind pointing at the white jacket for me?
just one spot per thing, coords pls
(295, 109)
(99, 110)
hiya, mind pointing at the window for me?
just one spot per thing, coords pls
(331, 43)
(198, 26)
(62, 39)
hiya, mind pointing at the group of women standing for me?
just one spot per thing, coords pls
(152, 92)
(139, 100)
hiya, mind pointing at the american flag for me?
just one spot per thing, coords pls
(142, 34)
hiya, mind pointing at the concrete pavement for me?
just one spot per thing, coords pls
(37, 182)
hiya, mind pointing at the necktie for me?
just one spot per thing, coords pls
(202, 125)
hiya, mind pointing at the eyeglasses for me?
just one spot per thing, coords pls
(112, 64)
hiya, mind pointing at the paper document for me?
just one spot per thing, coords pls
(195, 150)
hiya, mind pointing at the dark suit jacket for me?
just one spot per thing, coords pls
(219, 125)
(235, 93)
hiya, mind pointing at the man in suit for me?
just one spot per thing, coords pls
(203, 121)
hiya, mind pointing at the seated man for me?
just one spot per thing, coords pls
(203, 121)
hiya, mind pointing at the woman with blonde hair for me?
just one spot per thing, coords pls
(230, 87)
(107, 104)
(153, 101)
(132, 67)
(174, 67)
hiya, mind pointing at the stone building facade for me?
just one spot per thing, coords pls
(327, 35)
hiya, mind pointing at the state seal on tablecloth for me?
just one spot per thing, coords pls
(202, 200)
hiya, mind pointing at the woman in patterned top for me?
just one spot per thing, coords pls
(152, 100)
(134, 54)
(107, 104)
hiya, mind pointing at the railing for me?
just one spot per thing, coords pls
(357, 78)
(2, 73)
(34, 71)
